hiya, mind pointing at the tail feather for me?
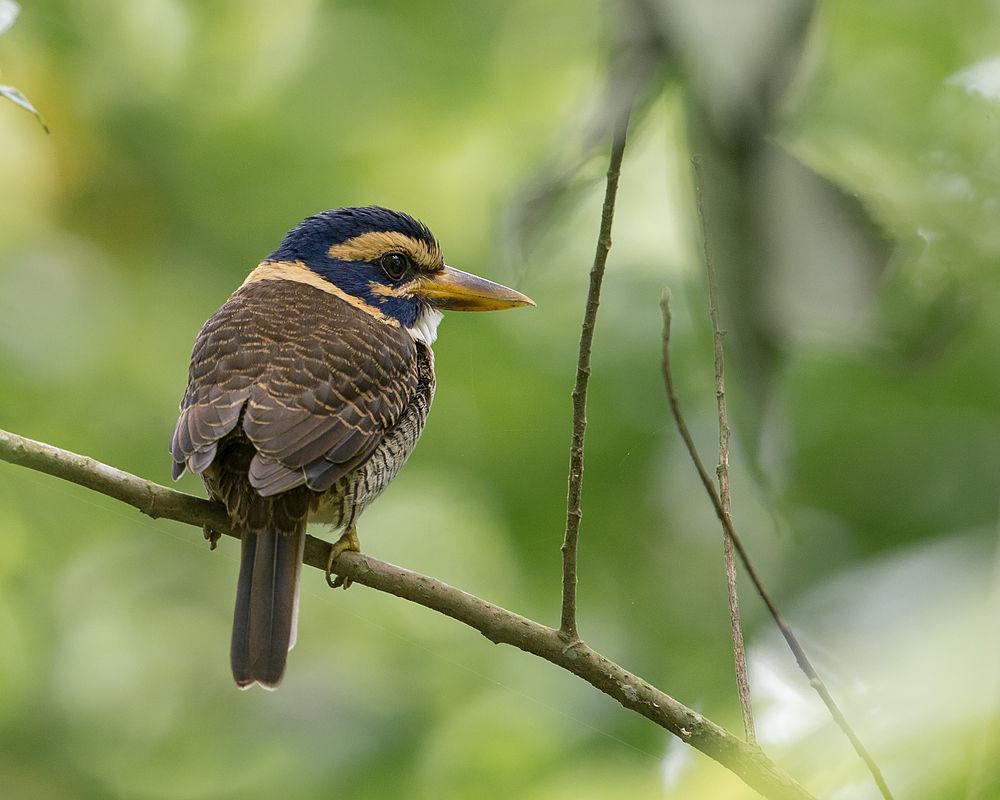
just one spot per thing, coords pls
(267, 603)
(239, 651)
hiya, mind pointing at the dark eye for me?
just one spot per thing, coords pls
(394, 265)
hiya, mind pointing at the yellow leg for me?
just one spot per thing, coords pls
(349, 541)
(212, 537)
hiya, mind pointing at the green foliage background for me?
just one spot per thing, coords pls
(187, 137)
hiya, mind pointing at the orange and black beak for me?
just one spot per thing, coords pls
(455, 290)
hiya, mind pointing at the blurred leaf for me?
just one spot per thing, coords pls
(8, 14)
(17, 98)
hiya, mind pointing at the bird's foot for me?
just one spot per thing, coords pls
(349, 541)
(212, 537)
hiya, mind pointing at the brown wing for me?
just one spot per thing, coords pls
(314, 382)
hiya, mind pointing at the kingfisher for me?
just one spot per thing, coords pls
(307, 391)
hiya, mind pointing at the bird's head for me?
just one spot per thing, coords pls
(388, 264)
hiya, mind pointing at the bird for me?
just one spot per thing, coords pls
(307, 391)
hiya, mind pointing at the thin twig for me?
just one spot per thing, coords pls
(574, 514)
(793, 643)
(982, 763)
(495, 623)
(722, 471)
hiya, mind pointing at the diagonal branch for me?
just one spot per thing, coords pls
(575, 480)
(793, 643)
(722, 471)
(495, 623)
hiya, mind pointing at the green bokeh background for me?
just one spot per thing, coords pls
(187, 137)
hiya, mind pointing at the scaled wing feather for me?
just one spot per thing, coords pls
(314, 382)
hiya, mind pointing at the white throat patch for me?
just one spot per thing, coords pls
(425, 329)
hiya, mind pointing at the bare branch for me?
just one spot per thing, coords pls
(573, 496)
(495, 623)
(982, 765)
(793, 643)
(722, 471)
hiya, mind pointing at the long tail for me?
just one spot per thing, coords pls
(267, 605)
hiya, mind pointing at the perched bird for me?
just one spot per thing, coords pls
(307, 391)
